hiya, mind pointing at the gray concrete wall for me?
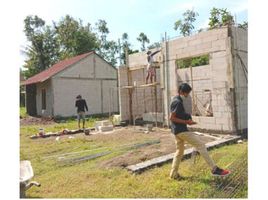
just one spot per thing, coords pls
(240, 51)
(47, 85)
(66, 90)
(93, 78)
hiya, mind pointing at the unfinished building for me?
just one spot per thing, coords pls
(219, 97)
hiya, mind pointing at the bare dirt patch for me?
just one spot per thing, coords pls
(137, 155)
(29, 120)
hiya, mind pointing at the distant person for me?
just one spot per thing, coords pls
(150, 69)
(81, 105)
(179, 120)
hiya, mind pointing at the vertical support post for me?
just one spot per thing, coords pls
(194, 101)
(155, 98)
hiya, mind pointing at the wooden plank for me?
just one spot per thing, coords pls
(149, 85)
(127, 87)
(137, 67)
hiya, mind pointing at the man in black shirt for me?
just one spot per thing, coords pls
(81, 105)
(179, 120)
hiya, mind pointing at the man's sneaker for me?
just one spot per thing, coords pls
(220, 172)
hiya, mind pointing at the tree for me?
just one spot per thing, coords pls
(43, 48)
(185, 25)
(244, 25)
(74, 38)
(220, 17)
(107, 49)
(154, 45)
(143, 39)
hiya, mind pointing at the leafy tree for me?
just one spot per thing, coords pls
(244, 25)
(220, 17)
(143, 39)
(74, 38)
(185, 25)
(154, 45)
(107, 49)
(42, 51)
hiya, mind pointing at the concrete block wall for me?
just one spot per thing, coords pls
(240, 49)
(140, 58)
(123, 93)
(214, 77)
(201, 81)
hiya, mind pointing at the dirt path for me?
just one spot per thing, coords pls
(134, 156)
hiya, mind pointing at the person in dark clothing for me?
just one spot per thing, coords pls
(179, 121)
(81, 105)
(150, 69)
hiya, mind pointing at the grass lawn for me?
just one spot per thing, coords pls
(23, 112)
(89, 179)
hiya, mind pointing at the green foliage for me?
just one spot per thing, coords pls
(244, 25)
(143, 39)
(74, 38)
(154, 45)
(220, 17)
(66, 38)
(107, 49)
(43, 49)
(185, 25)
(23, 112)
(126, 45)
(194, 62)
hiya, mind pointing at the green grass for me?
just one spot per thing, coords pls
(23, 112)
(89, 180)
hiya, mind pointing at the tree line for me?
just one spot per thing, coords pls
(48, 44)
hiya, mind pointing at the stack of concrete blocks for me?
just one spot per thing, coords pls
(103, 126)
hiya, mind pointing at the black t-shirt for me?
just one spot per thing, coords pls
(81, 105)
(177, 107)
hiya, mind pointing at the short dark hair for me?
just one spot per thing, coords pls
(185, 87)
(79, 96)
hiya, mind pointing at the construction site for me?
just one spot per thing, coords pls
(139, 137)
(218, 101)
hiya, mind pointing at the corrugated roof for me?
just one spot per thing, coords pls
(54, 69)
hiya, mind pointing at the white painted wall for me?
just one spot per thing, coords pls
(91, 77)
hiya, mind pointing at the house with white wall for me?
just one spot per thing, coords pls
(53, 91)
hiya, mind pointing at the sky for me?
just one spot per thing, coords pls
(153, 17)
